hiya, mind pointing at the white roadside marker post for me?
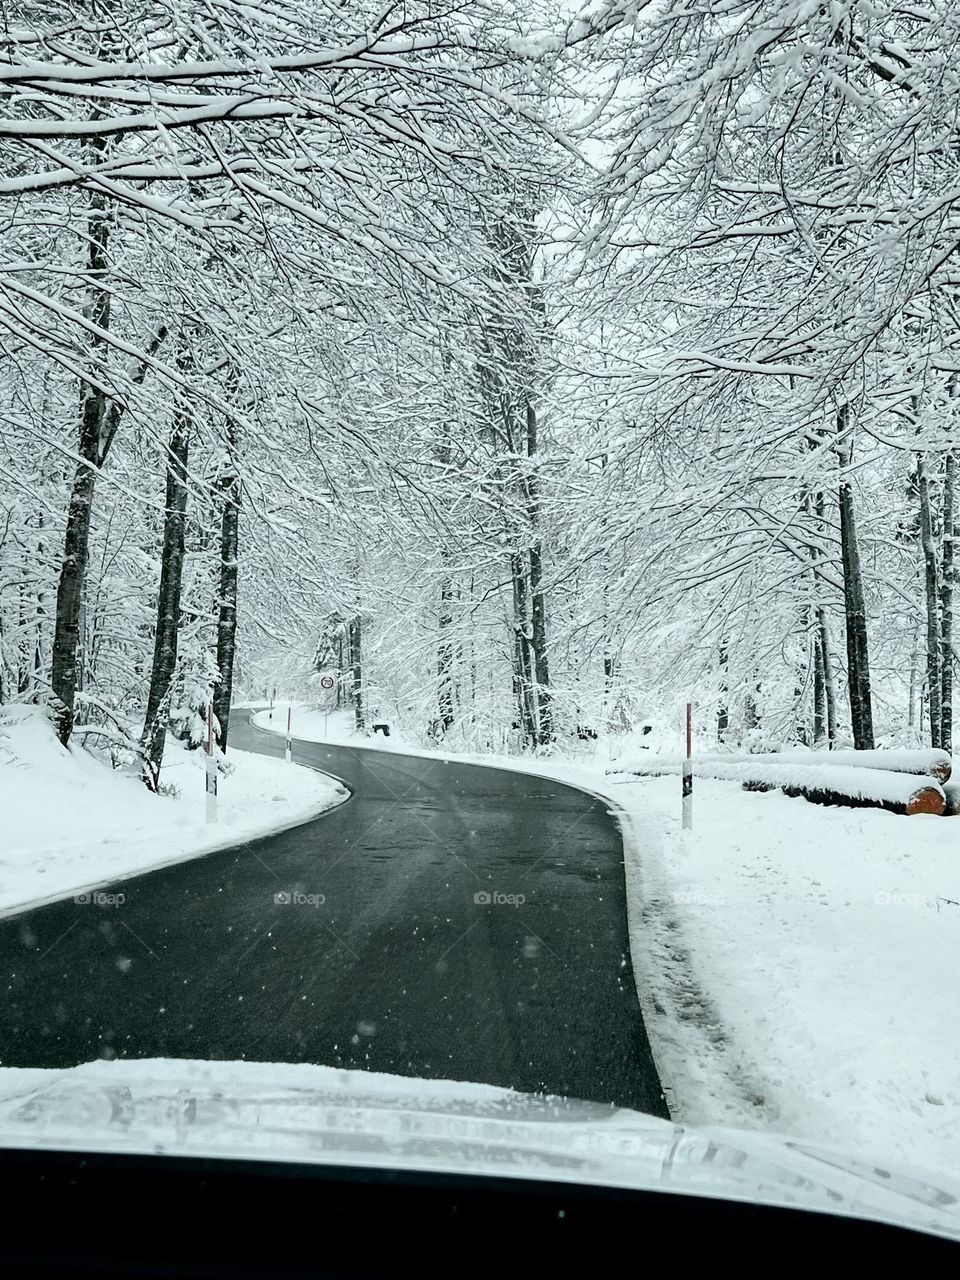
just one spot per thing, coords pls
(288, 751)
(211, 768)
(687, 784)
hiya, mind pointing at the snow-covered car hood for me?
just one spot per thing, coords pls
(322, 1115)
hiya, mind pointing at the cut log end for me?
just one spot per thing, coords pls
(927, 800)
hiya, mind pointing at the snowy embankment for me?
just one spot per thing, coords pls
(71, 823)
(337, 727)
(800, 965)
(796, 964)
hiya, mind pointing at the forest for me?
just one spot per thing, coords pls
(530, 368)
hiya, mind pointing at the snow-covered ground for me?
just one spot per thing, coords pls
(316, 725)
(797, 964)
(801, 965)
(70, 823)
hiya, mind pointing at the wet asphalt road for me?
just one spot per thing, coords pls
(387, 962)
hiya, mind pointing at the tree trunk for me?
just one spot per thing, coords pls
(829, 683)
(538, 644)
(751, 713)
(932, 598)
(946, 604)
(523, 667)
(858, 653)
(510, 377)
(229, 487)
(912, 689)
(445, 657)
(93, 445)
(354, 640)
(819, 690)
(99, 419)
(446, 694)
(723, 711)
(801, 730)
(610, 666)
(168, 599)
(611, 677)
(24, 654)
(538, 615)
(472, 646)
(40, 613)
(824, 695)
(822, 641)
(341, 672)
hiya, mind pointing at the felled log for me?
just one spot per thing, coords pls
(926, 761)
(835, 784)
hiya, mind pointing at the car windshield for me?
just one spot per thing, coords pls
(477, 568)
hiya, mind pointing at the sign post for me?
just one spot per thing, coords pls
(288, 752)
(327, 683)
(211, 768)
(687, 784)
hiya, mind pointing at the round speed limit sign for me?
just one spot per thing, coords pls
(327, 682)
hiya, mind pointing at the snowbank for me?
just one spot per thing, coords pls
(316, 725)
(70, 823)
(800, 965)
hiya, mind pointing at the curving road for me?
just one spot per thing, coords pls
(384, 958)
